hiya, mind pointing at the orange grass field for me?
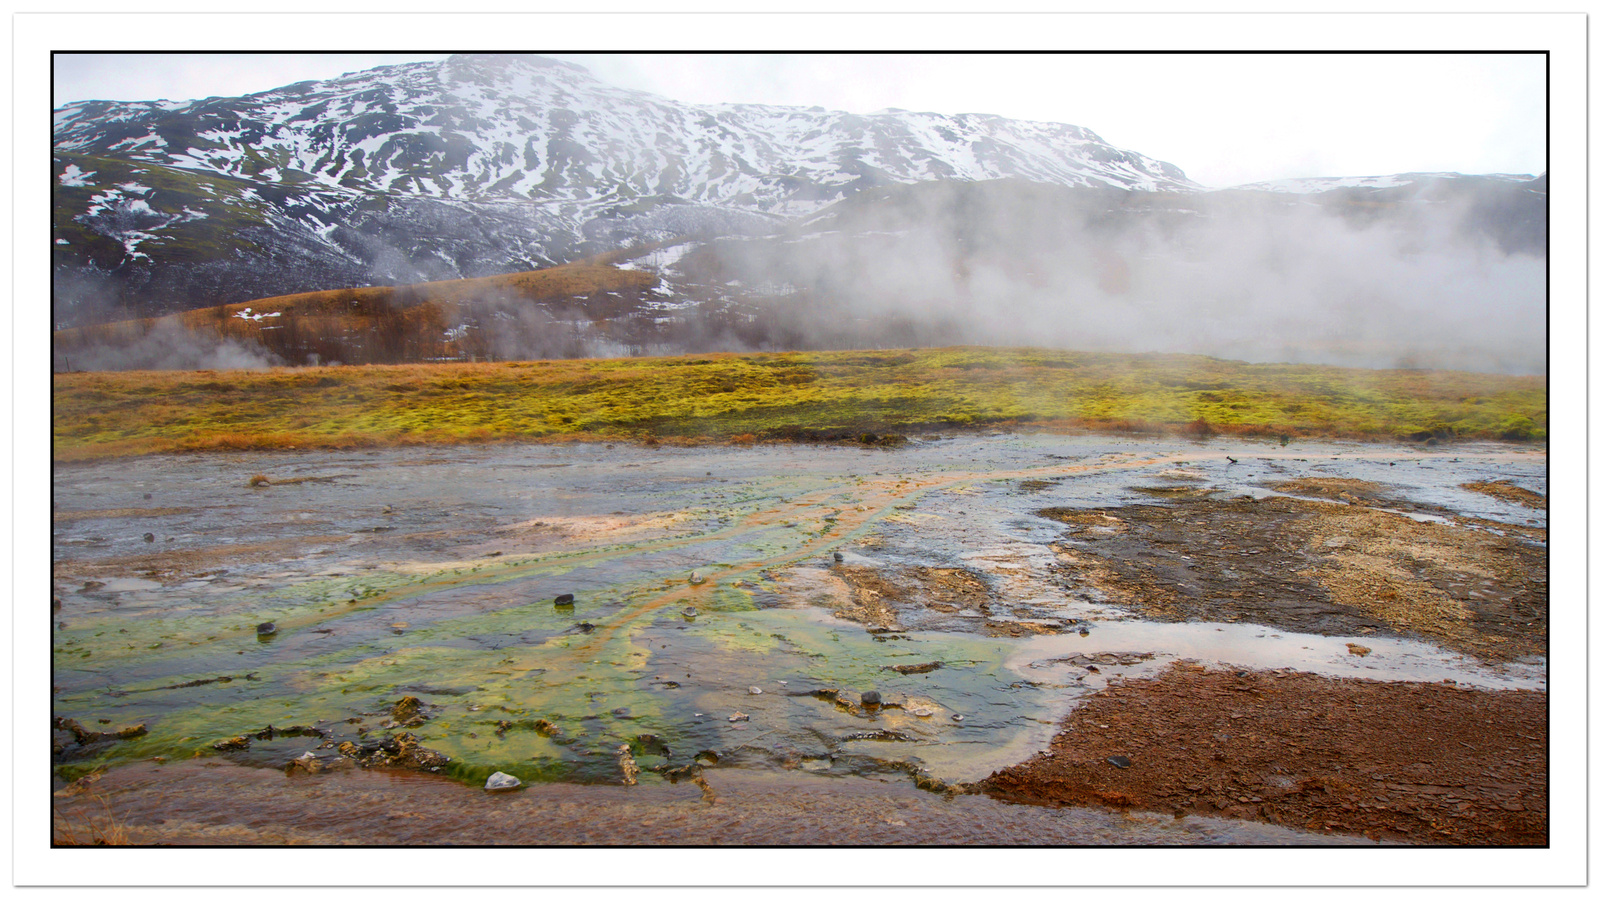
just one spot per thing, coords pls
(769, 396)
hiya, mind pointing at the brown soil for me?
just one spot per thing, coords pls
(1509, 492)
(1335, 568)
(1406, 762)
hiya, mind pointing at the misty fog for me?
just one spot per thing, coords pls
(1260, 279)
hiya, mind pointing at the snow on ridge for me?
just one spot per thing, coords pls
(1375, 182)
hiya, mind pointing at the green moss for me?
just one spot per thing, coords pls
(785, 395)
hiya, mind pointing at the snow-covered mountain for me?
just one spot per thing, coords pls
(759, 227)
(476, 165)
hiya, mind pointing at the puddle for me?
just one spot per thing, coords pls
(707, 598)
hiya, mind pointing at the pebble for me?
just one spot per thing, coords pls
(266, 627)
(1121, 761)
(500, 782)
(149, 537)
(738, 716)
(755, 691)
(690, 612)
(838, 557)
(565, 601)
(696, 577)
(871, 697)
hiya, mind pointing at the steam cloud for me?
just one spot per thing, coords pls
(168, 346)
(1427, 286)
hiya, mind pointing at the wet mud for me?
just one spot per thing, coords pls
(621, 620)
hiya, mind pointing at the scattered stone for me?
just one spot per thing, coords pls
(755, 691)
(501, 782)
(265, 628)
(838, 557)
(1120, 761)
(400, 751)
(128, 733)
(707, 757)
(690, 613)
(1083, 632)
(871, 698)
(149, 537)
(922, 668)
(307, 762)
(738, 716)
(958, 718)
(565, 601)
(585, 627)
(1356, 649)
(231, 745)
(546, 727)
(696, 577)
(630, 769)
(407, 712)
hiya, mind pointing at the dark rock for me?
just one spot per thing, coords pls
(265, 628)
(923, 668)
(871, 698)
(149, 537)
(1121, 761)
(565, 601)
(838, 557)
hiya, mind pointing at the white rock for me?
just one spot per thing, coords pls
(500, 781)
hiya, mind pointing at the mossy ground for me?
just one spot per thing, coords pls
(740, 397)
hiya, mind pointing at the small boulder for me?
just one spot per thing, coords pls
(500, 782)
(871, 698)
(565, 601)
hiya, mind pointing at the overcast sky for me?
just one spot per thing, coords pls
(1224, 119)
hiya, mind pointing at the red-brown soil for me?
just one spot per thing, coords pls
(1407, 762)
